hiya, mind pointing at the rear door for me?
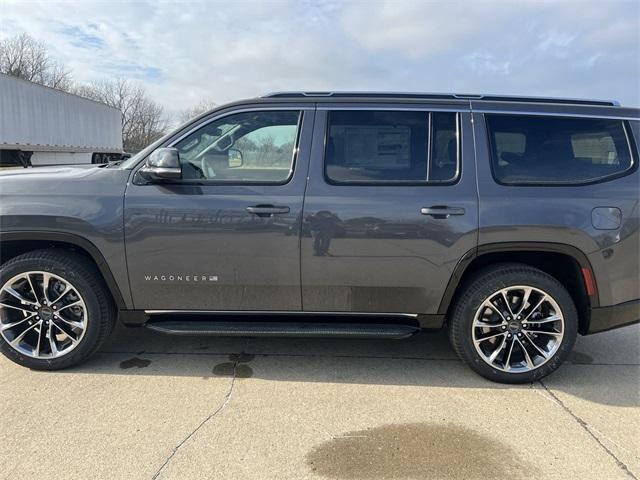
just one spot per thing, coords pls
(225, 237)
(390, 208)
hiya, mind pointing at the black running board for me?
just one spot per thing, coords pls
(282, 329)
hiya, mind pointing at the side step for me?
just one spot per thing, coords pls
(282, 329)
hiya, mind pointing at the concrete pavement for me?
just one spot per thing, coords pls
(151, 406)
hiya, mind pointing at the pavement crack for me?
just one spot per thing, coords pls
(589, 430)
(211, 416)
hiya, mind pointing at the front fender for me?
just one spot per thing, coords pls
(79, 206)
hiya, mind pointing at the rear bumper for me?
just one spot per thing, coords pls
(615, 316)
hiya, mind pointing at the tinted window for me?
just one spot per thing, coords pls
(245, 147)
(527, 149)
(443, 166)
(391, 147)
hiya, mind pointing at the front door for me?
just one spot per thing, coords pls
(225, 237)
(390, 208)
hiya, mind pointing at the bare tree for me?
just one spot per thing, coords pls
(194, 111)
(143, 120)
(24, 57)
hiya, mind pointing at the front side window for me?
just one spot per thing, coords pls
(250, 147)
(544, 150)
(381, 147)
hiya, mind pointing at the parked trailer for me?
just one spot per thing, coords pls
(44, 126)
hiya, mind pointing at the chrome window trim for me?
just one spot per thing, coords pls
(459, 145)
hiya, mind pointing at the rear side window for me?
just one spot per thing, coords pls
(547, 150)
(387, 147)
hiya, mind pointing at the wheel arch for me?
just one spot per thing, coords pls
(13, 244)
(564, 262)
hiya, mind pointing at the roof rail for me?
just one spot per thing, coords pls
(437, 96)
(444, 96)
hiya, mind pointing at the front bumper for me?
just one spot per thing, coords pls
(615, 316)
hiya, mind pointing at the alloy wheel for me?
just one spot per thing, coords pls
(42, 315)
(517, 329)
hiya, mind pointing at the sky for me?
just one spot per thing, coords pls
(187, 52)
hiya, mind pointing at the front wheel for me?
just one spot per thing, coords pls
(513, 323)
(54, 309)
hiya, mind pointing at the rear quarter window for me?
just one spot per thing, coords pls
(556, 150)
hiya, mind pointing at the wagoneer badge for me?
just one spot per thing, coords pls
(181, 278)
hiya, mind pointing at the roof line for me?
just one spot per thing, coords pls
(443, 96)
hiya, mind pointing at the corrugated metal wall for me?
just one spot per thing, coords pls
(33, 117)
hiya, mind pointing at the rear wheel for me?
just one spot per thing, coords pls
(513, 323)
(54, 310)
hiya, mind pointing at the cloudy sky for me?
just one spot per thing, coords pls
(188, 51)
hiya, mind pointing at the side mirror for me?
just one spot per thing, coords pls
(235, 158)
(162, 164)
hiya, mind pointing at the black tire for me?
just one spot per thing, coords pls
(482, 286)
(80, 272)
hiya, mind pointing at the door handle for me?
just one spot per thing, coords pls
(267, 210)
(441, 211)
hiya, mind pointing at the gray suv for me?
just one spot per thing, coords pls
(512, 221)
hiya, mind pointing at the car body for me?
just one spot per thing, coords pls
(339, 237)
